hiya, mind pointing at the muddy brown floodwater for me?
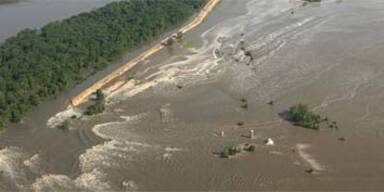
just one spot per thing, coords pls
(162, 131)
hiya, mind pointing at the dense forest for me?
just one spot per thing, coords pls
(39, 64)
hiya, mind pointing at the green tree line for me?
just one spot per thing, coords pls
(37, 64)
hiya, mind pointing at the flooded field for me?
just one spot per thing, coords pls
(165, 129)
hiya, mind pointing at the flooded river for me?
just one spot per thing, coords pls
(36, 13)
(162, 132)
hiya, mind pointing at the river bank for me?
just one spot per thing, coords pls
(83, 96)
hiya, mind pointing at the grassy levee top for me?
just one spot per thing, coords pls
(38, 64)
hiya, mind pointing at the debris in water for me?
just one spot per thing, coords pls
(341, 139)
(129, 185)
(252, 134)
(250, 148)
(271, 103)
(269, 142)
(310, 170)
(240, 123)
(244, 104)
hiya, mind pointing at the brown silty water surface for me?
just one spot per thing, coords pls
(36, 13)
(162, 132)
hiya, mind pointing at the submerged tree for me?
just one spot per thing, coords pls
(98, 106)
(300, 115)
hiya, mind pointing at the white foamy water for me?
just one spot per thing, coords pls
(17, 168)
(118, 130)
(91, 181)
(60, 117)
(95, 165)
(308, 158)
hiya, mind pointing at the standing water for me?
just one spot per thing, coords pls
(36, 13)
(163, 131)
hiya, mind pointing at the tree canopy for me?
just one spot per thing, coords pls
(300, 115)
(39, 63)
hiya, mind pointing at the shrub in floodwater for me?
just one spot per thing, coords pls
(300, 115)
(98, 106)
(244, 106)
(224, 153)
(250, 148)
(229, 151)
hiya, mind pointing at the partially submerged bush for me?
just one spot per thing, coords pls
(98, 106)
(229, 151)
(301, 116)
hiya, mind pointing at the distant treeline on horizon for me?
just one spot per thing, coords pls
(39, 64)
(8, 1)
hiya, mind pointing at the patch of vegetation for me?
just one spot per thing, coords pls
(301, 116)
(233, 150)
(98, 106)
(38, 64)
(229, 151)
